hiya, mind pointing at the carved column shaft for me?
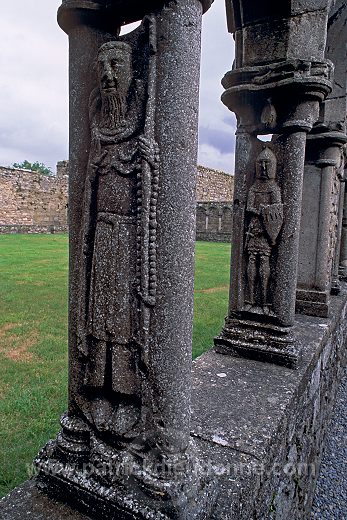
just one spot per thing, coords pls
(322, 277)
(133, 155)
(321, 214)
(343, 249)
(252, 328)
(336, 286)
(176, 133)
(293, 146)
(319, 223)
(243, 150)
(275, 87)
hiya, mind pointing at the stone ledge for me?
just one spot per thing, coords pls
(276, 416)
(213, 237)
(10, 229)
(27, 502)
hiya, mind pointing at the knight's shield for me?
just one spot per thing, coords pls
(272, 219)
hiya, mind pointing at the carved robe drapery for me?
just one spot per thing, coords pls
(121, 157)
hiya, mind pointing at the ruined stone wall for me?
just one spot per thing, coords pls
(214, 221)
(31, 202)
(214, 195)
(214, 185)
(34, 203)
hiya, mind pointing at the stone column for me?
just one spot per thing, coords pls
(321, 224)
(133, 154)
(343, 249)
(336, 285)
(275, 87)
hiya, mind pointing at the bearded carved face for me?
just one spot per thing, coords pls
(115, 77)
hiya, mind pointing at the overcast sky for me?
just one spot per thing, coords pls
(34, 86)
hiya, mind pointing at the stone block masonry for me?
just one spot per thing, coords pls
(214, 221)
(34, 203)
(31, 202)
(214, 185)
(214, 194)
(264, 426)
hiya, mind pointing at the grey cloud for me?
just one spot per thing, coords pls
(222, 141)
(33, 84)
(217, 124)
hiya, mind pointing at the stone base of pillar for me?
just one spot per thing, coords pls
(335, 286)
(110, 483)
(313, 303)
(343, 272)
(260, 341)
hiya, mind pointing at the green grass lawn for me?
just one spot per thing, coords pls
(33, 339)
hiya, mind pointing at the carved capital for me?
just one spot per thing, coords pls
(263, 95)
(108, 14)
(273, 31)
(103, 14)
(325, 148)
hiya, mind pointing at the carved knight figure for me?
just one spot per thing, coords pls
(264, 205)
(110, 307)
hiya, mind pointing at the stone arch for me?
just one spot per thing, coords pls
(201, 219)
(227, 219)
(213, 219)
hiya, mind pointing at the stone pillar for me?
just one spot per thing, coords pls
(321, 223)
(343, 250)
(133, 154)
(336, 285)
(276, 86)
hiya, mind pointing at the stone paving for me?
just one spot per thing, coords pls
(330, 500)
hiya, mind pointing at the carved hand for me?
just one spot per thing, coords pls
(149, 150)
(98, 160)
(253, 210)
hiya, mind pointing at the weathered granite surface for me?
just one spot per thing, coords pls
(324, 183)
(133, 153)
(275, 416)
(27, 501)
(330, 500)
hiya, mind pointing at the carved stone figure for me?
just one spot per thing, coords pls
(111, 288)
(264, 205)
(132, 231)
